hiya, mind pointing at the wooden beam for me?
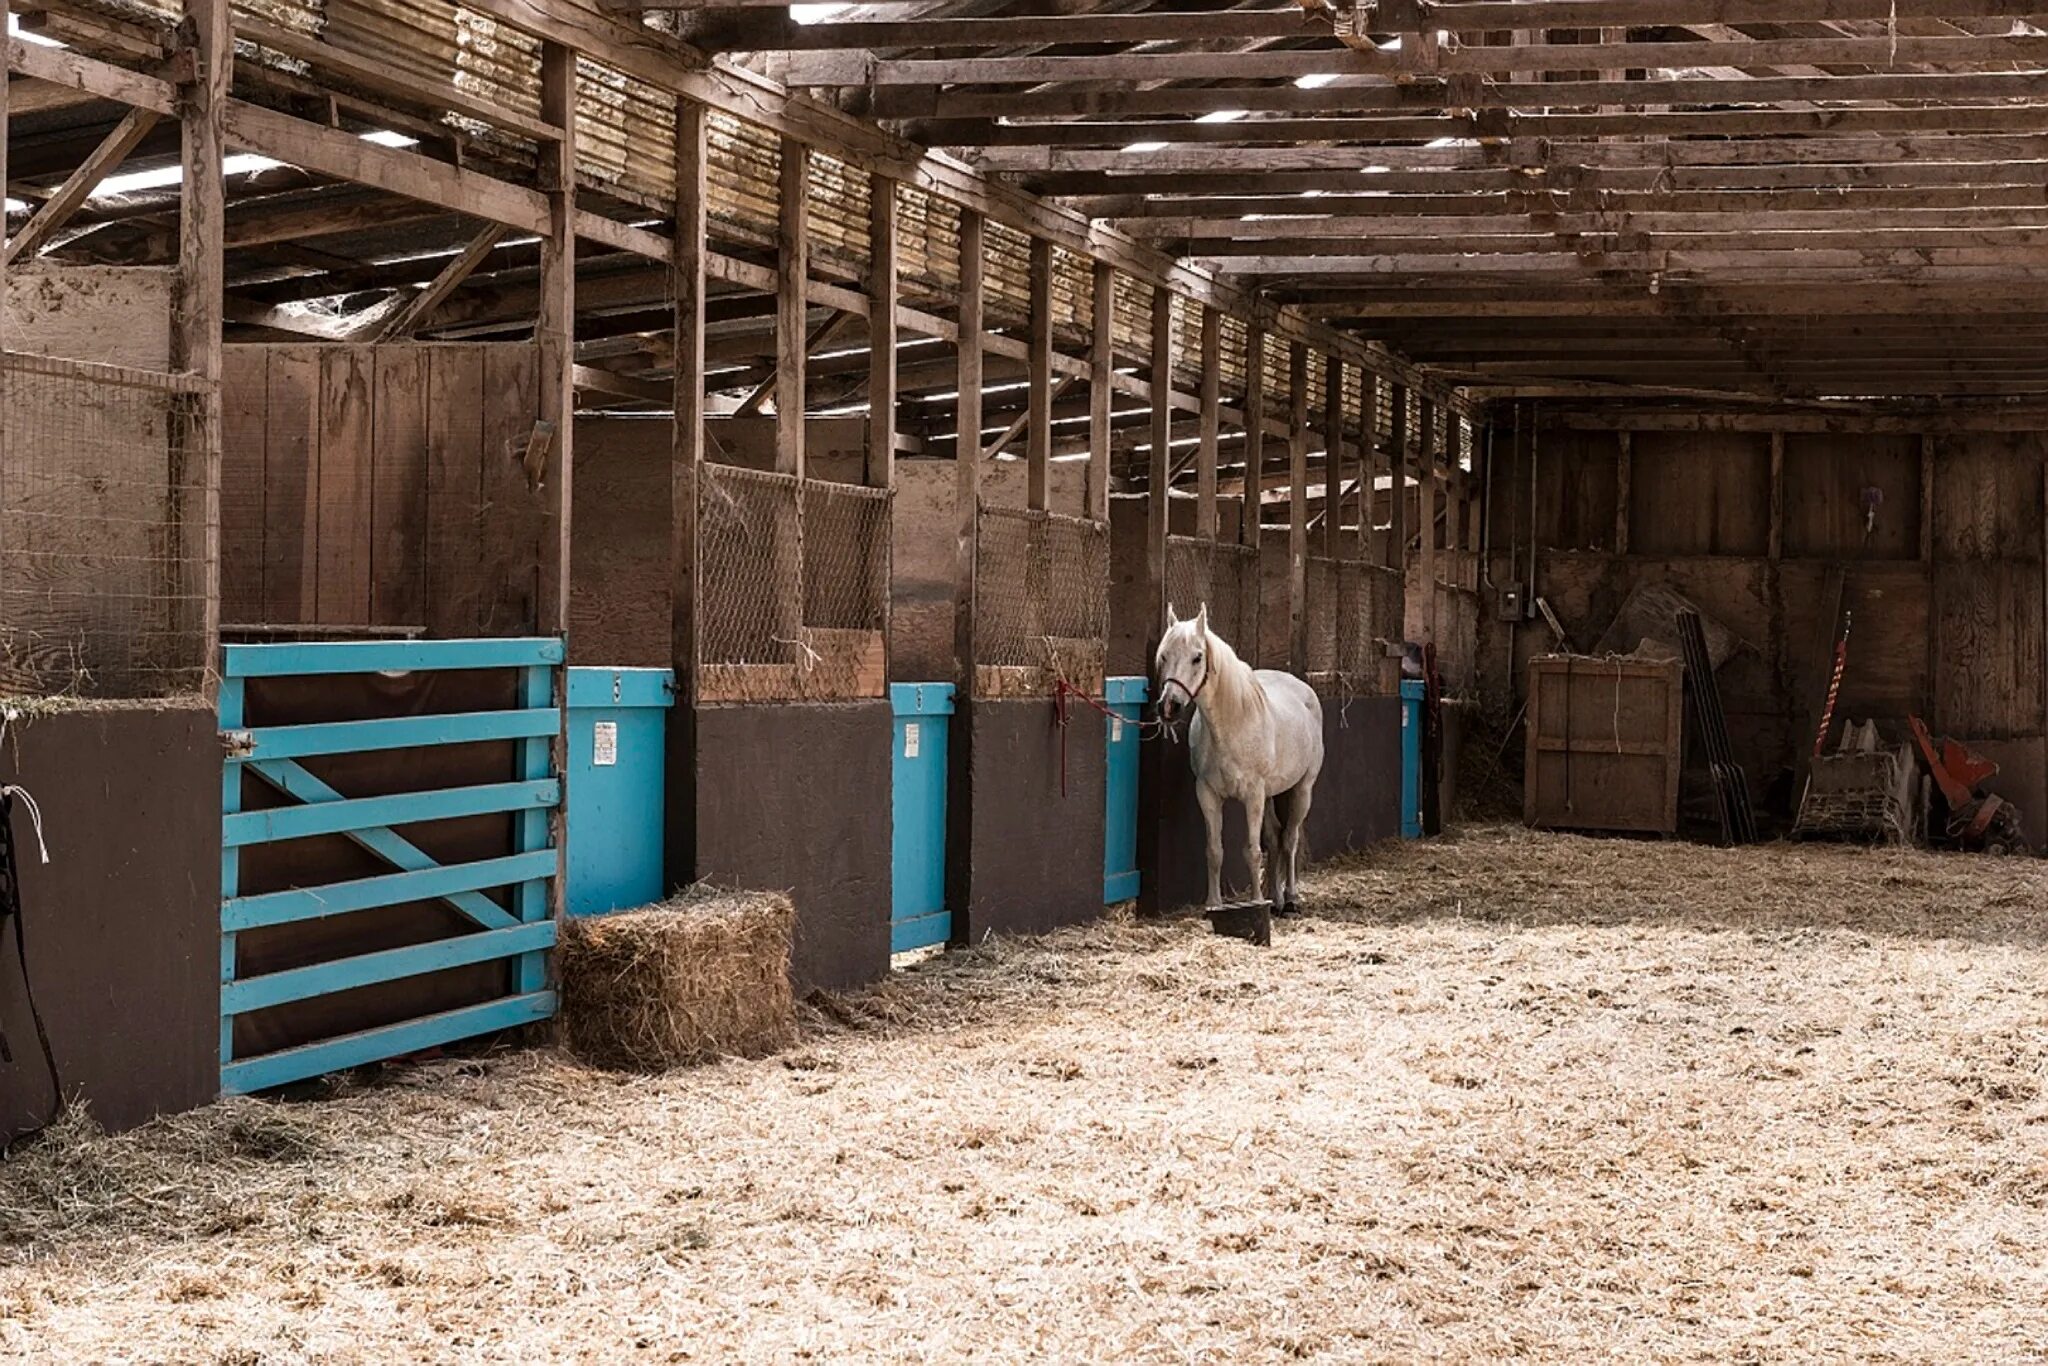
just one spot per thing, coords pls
(1297, 507)
(1426, 494)
(967, 469)
(882, 335)
(196, 321)
(88, 75)
(792, 276)
(1254, 435)
(1333, 457)
(554, 335)
(687, 284)
(1052, 29)
(1038, 364)
(821, 335)
(1624, 471)
(78, 187)
(1212, 402)
(1159, 464)
(1396, 543)
(408, 319)
(1101, 389)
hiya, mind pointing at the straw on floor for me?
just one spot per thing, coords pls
(701, 976)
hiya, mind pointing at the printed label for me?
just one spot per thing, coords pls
(1116, 729)
(604, 744)
(910, 739)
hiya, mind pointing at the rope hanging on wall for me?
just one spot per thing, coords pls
(10, 909)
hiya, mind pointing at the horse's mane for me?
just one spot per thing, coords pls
(1236, 677)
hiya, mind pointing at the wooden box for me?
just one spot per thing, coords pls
(1605, 740)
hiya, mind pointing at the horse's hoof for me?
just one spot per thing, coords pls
(1289, 910)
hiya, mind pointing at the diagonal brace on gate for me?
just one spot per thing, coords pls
(292, 779)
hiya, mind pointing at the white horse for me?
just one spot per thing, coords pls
(1257, 738)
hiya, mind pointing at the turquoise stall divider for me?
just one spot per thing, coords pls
(918, 917)
(1125, 698)
(1413, 695)
(618, 726)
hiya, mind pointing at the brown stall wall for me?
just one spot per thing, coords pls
(122, 925)
(620, 588)
(1825, 475)
(795, 797)
(1580, 468)
(1026, 857)
(380, 486)
(1699, 493)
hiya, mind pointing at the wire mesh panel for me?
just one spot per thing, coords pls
(1366, 599)
(103, 538)
(1222, 575)
(793, 588)
(1041, 605)
(1322, 609)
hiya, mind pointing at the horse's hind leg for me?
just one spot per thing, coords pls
(1268, 840)
(1297, 815)
(1212, 817)
(1256, 826)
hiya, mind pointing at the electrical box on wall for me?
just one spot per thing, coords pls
(1512, 606)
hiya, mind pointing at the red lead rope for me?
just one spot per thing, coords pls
(1061, 691)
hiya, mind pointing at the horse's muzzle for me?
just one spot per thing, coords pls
(1170, 709)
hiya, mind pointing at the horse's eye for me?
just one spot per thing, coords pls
(1198, 656)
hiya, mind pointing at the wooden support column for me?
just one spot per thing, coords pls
(1253, 513)
(1333, 457)
(1212, 403)
(1623, 475)
(1297, 507)
(1425, 495)
(1927, 500)
(1038, 367)
(882, 266)
(1368, 467)
(555, 339)
(196, 326)
(967, 447)
(687, 286)
(1775, 544)
(1396, 543)
(792, 280)
(1160, 467)
(1101, 390)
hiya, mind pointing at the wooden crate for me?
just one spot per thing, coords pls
(1604, 744)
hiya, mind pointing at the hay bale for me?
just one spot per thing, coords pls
(700, 976)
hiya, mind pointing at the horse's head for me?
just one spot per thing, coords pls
(1182, 665)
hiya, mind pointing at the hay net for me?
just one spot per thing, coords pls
(1221, 574)
(103, 530)
(793, 587)
(1368, 617)
(1041, 602)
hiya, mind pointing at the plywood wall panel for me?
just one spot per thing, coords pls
(1824, 478)
(1699, 493)
(1576, 494)
(1987, 496)
(1988, 650)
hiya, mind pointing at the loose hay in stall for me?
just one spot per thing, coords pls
(1507, 1096)
(700, 976)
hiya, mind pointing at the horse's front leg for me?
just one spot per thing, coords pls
(1254, 825)
(1212, 816)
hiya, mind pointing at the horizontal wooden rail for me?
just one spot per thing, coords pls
(371, 1045)
(387, 656)
(385, 889)
(387, 965)
(381, 813)
(397, 732)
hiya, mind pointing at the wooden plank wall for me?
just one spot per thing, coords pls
(380, 486)
(1945, 583)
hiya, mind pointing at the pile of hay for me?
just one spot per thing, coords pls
(700, 976)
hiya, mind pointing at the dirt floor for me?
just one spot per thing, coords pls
(1503, 1097)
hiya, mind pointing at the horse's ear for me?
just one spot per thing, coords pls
(1171, 620)
(1202, 619)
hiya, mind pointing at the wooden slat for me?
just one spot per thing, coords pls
(512, 517)
(354, 1050)
(883, 242)
(291, 484)
(548, 484)
(456, 528)
(1101, 389)
(342, 528)
(398, 486)
(1038, 370)
(245, 423)
(791, 301)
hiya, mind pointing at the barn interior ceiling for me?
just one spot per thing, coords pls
(1807, 201)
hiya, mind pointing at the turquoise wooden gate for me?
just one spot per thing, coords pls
(918, 917)
(517, 931)
(1126, 703)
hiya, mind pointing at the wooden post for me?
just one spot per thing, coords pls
(1775, 543)
(1212, 403)
(1253, 513)
(967, 447)
(1368, 465)
(687, 285)
(211, 670)
(792, 304)
(1333, 457)
(554, 332)
(1623, 473)
(1101, 390)
(1038, 366)
(882, 265)
(1396, 544)
(1927, 499)
(1160, 468)
(1297, 506)
(1425, 495)
(196, 326)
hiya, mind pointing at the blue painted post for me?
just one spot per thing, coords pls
(230, 858)
(1412, 696)
(537, 690)
(918, 917)
(1120, 880)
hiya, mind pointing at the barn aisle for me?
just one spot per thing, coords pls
(1505, 1095)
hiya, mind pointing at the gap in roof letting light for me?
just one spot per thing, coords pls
(1314, 82)
(1222, 116)
(384, 137)
(815, 14)
(1144, 147)
(29, 36)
